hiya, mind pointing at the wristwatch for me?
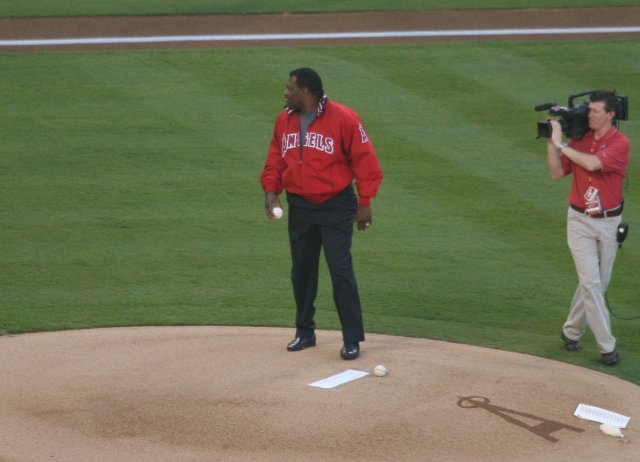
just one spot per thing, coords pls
(562, 146)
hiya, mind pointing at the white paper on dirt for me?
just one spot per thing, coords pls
(587, 412)
(339, 379)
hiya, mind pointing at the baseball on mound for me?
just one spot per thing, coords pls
(611, 431)
(277, 212)
(380, 370)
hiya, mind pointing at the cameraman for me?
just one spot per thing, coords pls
(598, 162)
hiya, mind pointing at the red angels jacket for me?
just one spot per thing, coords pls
(336, 150)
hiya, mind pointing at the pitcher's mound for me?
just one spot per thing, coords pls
(236, 394)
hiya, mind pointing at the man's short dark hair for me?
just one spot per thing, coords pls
(309, 79)
(609, 98)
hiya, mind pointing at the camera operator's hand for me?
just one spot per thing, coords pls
(553, 153)
(556, 133)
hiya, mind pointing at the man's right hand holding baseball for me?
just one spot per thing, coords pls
(270, 201)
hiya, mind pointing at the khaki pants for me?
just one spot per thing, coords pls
(593, 245)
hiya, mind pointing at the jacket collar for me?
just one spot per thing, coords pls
(322, 105)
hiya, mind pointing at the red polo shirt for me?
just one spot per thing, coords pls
(614, 151)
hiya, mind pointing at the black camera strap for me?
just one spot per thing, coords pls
(606, 302)
(623, 230)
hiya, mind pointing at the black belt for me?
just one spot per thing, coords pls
(607, 213)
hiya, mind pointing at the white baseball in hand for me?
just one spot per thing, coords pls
(277, 212)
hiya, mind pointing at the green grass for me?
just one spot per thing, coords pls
(18, 8)
(129, 191)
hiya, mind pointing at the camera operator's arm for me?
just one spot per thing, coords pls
(553, 153)
(587, 161)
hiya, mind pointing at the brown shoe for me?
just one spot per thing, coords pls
(609, 359)
(570, 345)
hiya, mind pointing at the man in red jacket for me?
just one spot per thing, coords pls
(319, 147)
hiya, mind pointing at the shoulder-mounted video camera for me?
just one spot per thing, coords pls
(574, 119)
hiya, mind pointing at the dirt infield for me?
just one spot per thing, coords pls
(12, 29)
(236, 394)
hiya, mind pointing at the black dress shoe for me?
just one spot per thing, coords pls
(350, 350)
(300, 343)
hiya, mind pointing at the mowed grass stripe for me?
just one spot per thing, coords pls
(168, 7)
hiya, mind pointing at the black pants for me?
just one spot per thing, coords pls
(327, 225)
